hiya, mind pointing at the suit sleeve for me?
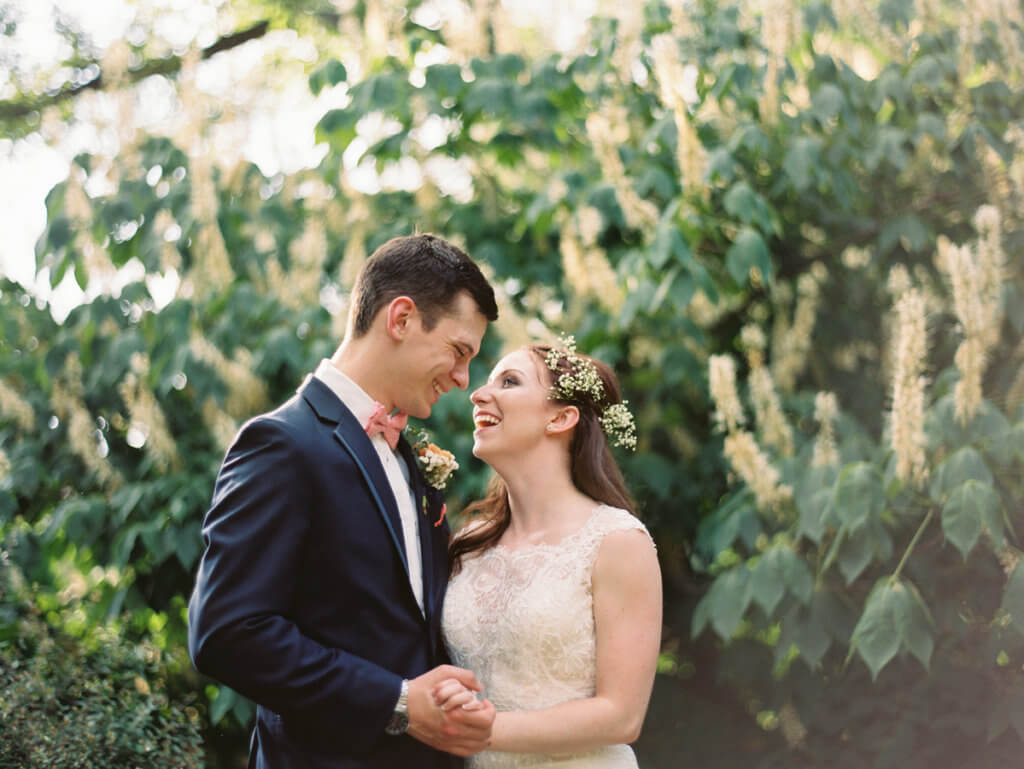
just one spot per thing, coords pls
(239, 629)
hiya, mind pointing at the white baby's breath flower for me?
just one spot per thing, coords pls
(617, 423)
(582, 383)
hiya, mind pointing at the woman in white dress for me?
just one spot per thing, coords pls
(555, 595)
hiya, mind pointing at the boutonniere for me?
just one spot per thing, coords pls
(436, 463)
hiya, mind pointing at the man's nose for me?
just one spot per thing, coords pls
(460, 375)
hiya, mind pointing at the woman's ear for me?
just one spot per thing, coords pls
(564, 420)
(400, 312)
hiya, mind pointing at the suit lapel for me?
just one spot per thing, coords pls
(350, 434)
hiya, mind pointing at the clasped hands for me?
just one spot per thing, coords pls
(446, 713)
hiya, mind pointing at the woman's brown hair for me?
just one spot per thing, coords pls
(592, 465)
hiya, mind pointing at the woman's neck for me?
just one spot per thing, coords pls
(543, 501)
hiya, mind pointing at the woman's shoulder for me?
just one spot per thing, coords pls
(613, 524)
(607, 519)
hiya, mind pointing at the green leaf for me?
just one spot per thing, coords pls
(766, 586)
(221, 704)
(729, 598)
(735, 519)
(916, 626)
(656, 472)
(331, 73)
(891, 146)
(188, 540)
(743, 203)
(1013, 597)
(876, 637)
(804, 631)
(896, 13)
(747, 251)
(814, 627)
(859, 495)
(668, 240)
(894, 617)
(445, 79)
(814, 493)
(827, 101)
(802, 161)
(855, 553)
(678, 288)
(489, 95)
(777, 570)
(971, 508)
(907, 230)
(959, 467)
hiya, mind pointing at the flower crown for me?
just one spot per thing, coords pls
(582, 382)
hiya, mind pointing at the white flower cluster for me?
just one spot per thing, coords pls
(13, 406)
(906, 418)
(826, 407)
(617, 423)
(749, 462)
(976, 276)
(582, 382)
(436, 464)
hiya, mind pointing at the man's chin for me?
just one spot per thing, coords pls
(419, 411)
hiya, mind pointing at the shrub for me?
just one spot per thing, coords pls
(100, 701)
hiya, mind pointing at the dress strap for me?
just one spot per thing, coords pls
(604, 521)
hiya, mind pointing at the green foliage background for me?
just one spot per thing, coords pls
(864, 623)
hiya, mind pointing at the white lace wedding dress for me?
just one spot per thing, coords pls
(523, 622)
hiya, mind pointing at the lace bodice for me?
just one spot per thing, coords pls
(522, 620)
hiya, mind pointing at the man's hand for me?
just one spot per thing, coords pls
(460, 731)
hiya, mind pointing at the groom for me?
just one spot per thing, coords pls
(319, 592)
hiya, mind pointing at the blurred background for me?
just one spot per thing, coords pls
(793, 227)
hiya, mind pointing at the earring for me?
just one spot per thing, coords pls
(549, 428)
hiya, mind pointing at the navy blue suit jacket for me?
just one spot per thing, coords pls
(302, 600)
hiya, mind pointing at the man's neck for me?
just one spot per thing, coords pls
(359, 363)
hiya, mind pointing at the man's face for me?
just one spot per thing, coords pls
(435, 361)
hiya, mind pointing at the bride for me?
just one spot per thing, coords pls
(555, 595)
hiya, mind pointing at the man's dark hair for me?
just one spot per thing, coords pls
(427, 269)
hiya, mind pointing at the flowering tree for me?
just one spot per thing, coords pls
(727, 204)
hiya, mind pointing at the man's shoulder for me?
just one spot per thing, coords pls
(291, 420)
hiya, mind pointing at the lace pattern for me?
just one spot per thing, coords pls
(523, 622)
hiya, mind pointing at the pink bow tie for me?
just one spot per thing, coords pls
(389, 427)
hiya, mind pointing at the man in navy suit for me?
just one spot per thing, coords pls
(319, 592)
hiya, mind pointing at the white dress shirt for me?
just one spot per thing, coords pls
(362, 406)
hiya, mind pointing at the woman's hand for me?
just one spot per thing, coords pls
(450, 694)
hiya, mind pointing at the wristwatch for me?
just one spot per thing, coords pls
(400, 718)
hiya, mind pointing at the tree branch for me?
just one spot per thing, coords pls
(14, 109)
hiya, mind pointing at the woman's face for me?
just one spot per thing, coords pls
(512, 410)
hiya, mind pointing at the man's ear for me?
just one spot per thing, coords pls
(399, 315)
(564, 420)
